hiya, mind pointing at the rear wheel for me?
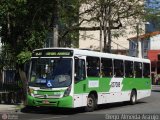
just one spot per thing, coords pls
(91, 103)
(133, 98)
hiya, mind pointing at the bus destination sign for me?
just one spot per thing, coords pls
(52, 53)
(57, 53)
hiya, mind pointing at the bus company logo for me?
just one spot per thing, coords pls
(116, 84)
(4, 116)
(49, 84)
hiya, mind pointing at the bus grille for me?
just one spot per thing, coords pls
(46, 96)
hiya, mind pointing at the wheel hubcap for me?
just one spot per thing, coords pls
(90, 102)
(133, 98)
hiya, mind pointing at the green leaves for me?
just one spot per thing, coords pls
(23, 57)
(36, 39)
(26, 24)
(152, 13)
(21, 1)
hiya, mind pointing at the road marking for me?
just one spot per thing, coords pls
(49, 118)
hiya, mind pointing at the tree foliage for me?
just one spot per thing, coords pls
(152, 14)
(110, 14)
(25, 24)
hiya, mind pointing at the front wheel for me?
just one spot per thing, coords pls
(133, 98)
(91, 103)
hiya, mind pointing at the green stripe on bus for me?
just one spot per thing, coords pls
(104, 84)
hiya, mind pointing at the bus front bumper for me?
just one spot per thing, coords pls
(65, 102)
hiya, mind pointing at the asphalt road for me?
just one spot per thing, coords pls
(150, 105)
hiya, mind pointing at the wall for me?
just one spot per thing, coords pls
(155, 42)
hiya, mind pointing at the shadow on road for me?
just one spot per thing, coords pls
(63, 111)
(49, 110)
(155, 90)
(116, 105)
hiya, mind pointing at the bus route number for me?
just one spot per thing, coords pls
(115, 84)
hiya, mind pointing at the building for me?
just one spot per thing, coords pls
(147, 46)
(153, 7)
(90, 39)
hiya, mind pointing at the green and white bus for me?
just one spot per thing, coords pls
(71, 78)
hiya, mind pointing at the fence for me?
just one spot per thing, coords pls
(10, 87)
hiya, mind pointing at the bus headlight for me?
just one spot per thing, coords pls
(30, 91)
(67, 92)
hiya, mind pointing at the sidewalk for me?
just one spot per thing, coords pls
(156, 88)
(10, 108)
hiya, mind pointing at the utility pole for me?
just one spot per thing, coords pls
(138, 49)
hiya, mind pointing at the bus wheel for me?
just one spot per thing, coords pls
(133, 98)
(91, 103)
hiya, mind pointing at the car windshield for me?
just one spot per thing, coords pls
(51, 72)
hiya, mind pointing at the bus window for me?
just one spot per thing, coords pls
(118, 68)
(80, 73)
(128, 69)
(146, 70)
(106, 67)
(93, 66)
(138, 69)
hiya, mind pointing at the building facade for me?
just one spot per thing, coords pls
(90, 39)
(147, 46)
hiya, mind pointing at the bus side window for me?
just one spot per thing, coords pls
(80, 73)
(146, 70)
(118, 68)
(93, 66)
(138, 69)
(129, 69)
(107, 67)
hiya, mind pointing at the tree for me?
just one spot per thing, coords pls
(25, 24)
(152, 15)
(23, 29)
(68, 17)
(110, 14)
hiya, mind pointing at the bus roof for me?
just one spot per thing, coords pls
(83, 52)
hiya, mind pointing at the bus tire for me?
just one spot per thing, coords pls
(91, 103)
(133, 97)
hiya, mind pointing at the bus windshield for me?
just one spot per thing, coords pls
(50, 72)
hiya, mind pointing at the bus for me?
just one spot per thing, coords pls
(71, 78)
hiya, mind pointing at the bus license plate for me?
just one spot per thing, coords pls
(46, 102)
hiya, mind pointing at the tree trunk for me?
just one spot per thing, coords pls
(105, 29)
(109, 30)
(100, 44)
(24, 84)
(109, 38)
(55, 42)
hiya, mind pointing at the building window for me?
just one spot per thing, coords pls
(158, 56)
(133, 45)
(146, 45)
